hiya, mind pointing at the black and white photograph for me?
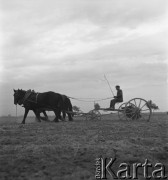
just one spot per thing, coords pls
(83, 89)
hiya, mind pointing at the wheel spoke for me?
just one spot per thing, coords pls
(143, 106)
(136, 115)
(139, 104)
(129, 114)
(121, 112)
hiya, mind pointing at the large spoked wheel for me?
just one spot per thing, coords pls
(137, 108)
(93, 115)
(121, 112)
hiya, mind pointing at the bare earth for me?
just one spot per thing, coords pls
(67, 150)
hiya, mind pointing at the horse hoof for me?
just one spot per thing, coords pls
(56, 121)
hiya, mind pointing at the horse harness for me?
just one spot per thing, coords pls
(27, 95)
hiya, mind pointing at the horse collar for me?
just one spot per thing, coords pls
(27, 94)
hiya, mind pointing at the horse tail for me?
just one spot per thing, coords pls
(70, 105)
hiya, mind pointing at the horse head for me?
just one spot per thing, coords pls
(18, 96)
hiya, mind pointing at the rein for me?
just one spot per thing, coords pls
(16, 111)
(90, 99)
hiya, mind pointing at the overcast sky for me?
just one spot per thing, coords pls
(68, 45)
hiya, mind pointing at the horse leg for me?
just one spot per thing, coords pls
(69, 114)
(63, 115)
(25, 115)
(57, 115)
(45, 114)
(37, 114)
(70, 117)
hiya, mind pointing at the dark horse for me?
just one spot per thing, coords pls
(38, 102)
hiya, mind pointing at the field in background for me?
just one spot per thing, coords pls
(67, 150)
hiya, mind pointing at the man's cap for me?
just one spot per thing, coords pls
(117, 86)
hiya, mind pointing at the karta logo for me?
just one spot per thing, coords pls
(106, 166)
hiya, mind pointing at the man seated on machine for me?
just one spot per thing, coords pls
(118, 98)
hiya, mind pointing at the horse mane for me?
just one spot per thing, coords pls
(21, 91)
